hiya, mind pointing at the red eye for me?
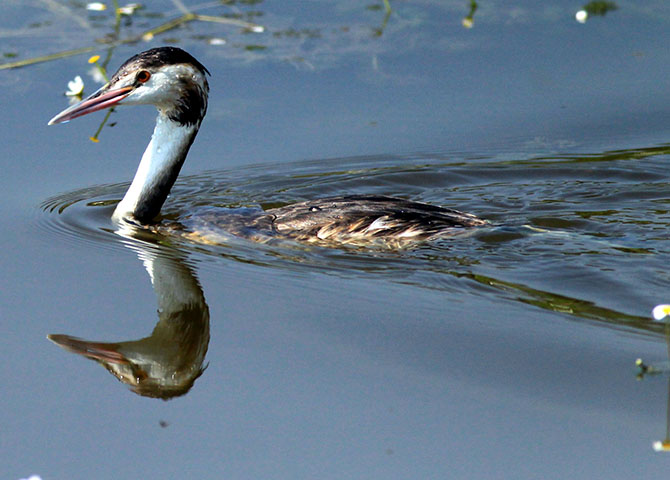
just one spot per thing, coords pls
(143, 76)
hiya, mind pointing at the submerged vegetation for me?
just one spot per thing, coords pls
(121, 22)
(123, 15)
(600, 8)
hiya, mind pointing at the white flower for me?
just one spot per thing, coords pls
(129, 9)
(96, 6)
(217, 41)
(257, 29)
(581, 16)
(660, 312)
(75, 87)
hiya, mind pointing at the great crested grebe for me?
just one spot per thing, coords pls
(175, 83)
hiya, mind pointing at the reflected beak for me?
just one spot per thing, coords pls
(102, 352)
(103, 98)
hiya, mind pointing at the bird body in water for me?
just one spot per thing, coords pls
(176, 84)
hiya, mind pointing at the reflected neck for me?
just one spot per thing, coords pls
(158, 170)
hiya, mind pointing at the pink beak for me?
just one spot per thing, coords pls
(103, 98)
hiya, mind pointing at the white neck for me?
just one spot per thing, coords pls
(157, 171)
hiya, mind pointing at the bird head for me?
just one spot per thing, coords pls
(167, 77)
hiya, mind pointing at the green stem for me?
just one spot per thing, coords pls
(189, 17)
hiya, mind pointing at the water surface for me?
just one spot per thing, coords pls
(508, 352)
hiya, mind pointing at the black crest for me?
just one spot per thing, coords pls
(157, 57)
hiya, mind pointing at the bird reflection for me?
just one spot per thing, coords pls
(166, 363)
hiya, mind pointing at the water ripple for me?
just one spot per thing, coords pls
(580, 234)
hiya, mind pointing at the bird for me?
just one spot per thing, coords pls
(173, 81)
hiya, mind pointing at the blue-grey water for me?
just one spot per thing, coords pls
(506, 353)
